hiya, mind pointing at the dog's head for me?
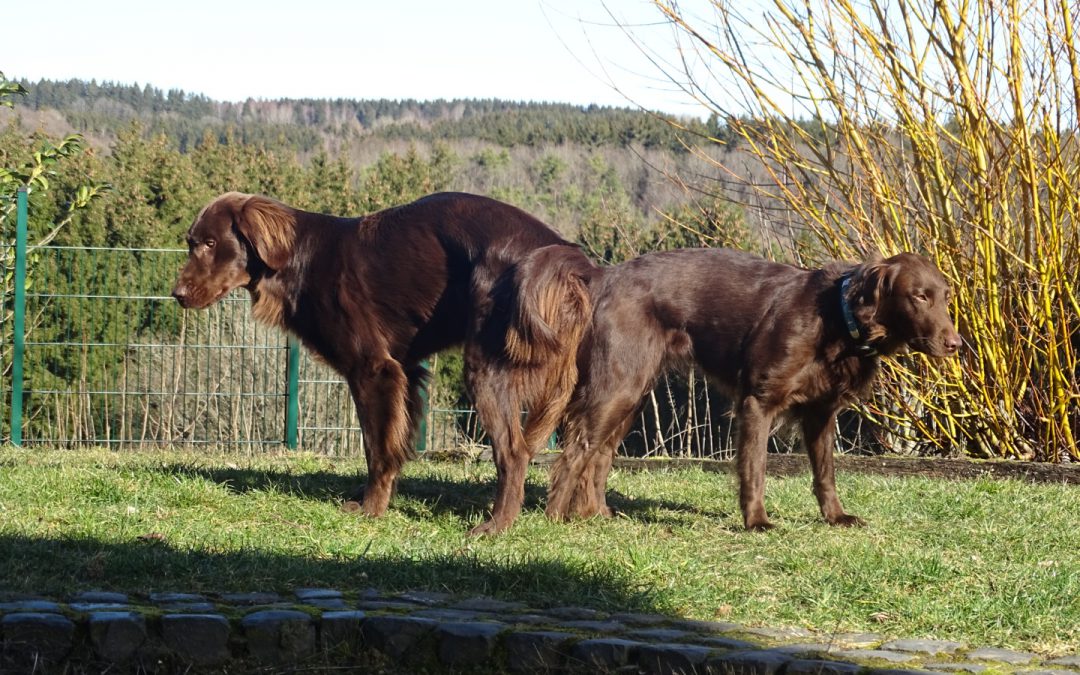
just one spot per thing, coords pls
(235, 239)
(903, 301)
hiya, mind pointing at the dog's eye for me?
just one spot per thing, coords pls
(209, 243)
(920, 296)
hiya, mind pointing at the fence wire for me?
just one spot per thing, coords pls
(112, 360)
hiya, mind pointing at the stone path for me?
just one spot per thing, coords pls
(436, 632)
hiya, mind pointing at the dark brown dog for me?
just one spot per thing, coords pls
(779, 339)
(373, 296)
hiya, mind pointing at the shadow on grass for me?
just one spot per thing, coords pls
(58, 567)
(462, 497)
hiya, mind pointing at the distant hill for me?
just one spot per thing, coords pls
(101, 110)
(617, 172)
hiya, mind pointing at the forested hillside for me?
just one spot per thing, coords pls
(601, 176)
(596, 172)
(102, 110)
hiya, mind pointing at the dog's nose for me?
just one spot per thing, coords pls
(180, 293)
(953, 343)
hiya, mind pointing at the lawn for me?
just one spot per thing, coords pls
(983, 561)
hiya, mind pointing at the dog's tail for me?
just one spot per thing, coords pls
(551, 315)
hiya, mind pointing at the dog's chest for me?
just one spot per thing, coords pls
(844, 379)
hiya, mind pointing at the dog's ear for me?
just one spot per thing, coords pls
(870, 281)
(867, 280)
(270, 228)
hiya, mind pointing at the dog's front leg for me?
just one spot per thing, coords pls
(380, 392)
(819, 433)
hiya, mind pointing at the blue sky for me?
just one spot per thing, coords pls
(539, 50)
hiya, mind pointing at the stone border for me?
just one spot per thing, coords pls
(436, 632)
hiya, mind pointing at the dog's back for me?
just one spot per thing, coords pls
(702, 304)
(409, 277)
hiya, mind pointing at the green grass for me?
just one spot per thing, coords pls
(984, 561)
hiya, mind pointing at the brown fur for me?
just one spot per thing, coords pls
(553, 289)
(771, 335)
(544, 305)
(374, 296)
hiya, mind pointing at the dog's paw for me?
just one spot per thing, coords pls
(486, 528)
(847, 520)
(363, 508)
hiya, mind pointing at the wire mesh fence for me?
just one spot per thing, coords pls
(111, 359)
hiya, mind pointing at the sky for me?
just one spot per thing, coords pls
(523, 50)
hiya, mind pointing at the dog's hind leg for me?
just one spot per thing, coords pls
(588, 496)
(499, 408)
(601, 412)
(595, 424)
(570, 474)
(591, 498)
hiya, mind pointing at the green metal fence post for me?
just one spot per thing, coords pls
(19, 320)
(292, 403)
(422, 425)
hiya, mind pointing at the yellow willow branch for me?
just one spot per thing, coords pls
(1066, 9)
(924, 136)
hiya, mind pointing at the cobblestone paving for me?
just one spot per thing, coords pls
(436, 632)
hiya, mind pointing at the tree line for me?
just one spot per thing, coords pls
(107, 108)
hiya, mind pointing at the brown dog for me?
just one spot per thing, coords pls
(779, 339)
(373, 296)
